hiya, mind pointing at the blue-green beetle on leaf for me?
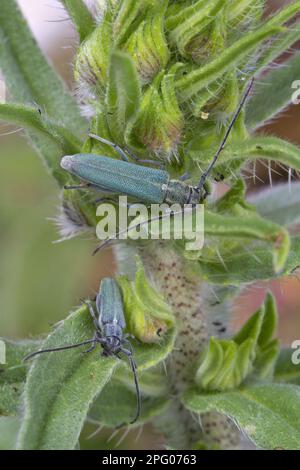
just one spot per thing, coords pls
(109, 331)
(143, 183)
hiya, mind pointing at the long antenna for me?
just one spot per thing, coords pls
(140, 224)
(62, 348)
(222, 145)
(137, 388)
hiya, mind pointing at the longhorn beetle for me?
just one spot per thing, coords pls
(150, 185)
(109, 328)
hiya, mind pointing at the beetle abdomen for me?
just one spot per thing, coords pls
(140, 182)
(110, 306)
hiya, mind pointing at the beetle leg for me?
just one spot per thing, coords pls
(78, 186)
(111, 144)
(92, 312)
(90, 349)
(185, 176)
(139, 160)
(137, 388)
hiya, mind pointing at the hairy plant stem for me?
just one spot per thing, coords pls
(185, 294)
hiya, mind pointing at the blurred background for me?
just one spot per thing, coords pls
(40, 281)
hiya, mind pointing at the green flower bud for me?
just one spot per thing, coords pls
(159, 122)
(225, 364)
(92, 60)
(147, 44)
(147, 315)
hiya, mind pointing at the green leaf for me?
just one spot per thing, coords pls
(192, 83)
(92, 61)
(285, 369)
(269, 414)
(159, 123)
(47, 131)
(280, 203)
(272, 93)
(280, 45)
(13, 374)
(123, 94)
(244, 264)
(149, 355)
(81, 17)
(9, 427)
(29, 78)
(116, 405)
(250, 227)
(270, 321)
(10, 394)
(146, 312)
(61, 387)
(152, 382)
(56, 404)
(128, 10)
(225, 364)
(269, 148)
(147, 45)
(191, 21)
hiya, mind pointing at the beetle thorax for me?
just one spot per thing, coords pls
(177, 192)
(111, 345)
(112, 334)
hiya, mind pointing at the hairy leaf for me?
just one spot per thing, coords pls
(254, 148)
(194, 81)
(272, 93)
(117, 405)
(47, 131)
(123, 94)
(226, 363)
(29, 78)
(147, 314)
(81, 17)
(250, 227)
(269, 414)
(286, 369)
(9, 427)
(61, 386)
(243, 264)
(280, 204)
(13, 374)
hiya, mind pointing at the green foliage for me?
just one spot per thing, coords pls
(81, 17)
(269, 101)
(9, 427)
(55, 409)
(147, 314)
(286, 371)
(122, 401)
(29, 78)
(45, 130)
(279, 204)
(162, 134)
(240, 264)
(196, 80)
(147, 44)
(191, 22)
(141, 97)
(13, 375)
(267, 413)
(123, 94)
(226, 364)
